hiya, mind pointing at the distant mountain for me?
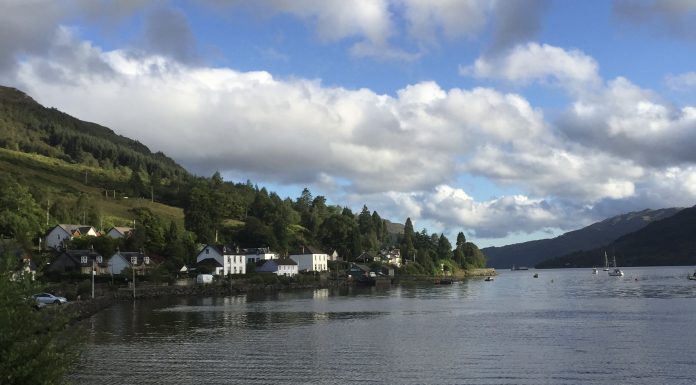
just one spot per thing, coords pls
(670, 241)
(588, 238)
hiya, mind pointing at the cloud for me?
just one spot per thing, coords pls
(670, 17)
(27, 27)
(515, 22)
(618, 144)
(633, 123)
(535, 62)
(685, 81)
(167, 32)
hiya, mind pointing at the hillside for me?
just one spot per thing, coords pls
(593, 236)
(81, 169)
(666, 242)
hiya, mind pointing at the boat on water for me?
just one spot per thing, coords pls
(536, 275)
(488, 279)
(692, 276)
(594, 270)
(616, 272)
(519, 268)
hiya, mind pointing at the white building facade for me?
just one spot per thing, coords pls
(64, 233)
(311, 260)
(230, 260)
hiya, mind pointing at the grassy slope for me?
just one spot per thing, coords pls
(60, 178)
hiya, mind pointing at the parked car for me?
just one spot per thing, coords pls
(43, 299)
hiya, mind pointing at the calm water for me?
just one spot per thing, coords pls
(566, 327)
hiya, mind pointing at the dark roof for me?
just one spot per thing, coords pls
(209, 262)
(76, 256)
(304, 249)
(285, 261)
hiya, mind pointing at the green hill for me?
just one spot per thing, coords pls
(82, 170)
(665, 242)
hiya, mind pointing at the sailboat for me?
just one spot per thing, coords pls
(606, 262)
(616, 272)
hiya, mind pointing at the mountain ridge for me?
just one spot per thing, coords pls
(589, 237)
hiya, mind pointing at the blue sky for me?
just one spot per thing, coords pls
(508, 120)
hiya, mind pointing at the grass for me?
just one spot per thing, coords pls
(60, 179)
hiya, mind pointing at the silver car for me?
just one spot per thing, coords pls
(43, 299)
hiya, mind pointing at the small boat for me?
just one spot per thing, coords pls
(616, 272)
(488, 279)
(536, 275)
(594, 270)
(692, 276)
(519, 268)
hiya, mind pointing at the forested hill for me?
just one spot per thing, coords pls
(29, 127)
(588, 238)
(58, 169)
(667, 242)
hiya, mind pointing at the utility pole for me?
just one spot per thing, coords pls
(133, 270)
(48, 206)
(93, 274)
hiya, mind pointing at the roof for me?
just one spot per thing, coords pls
(304, 249)
(209, 262)
(285, 261)
(76, 257)
(122, 230)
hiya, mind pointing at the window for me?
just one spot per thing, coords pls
(147, 260)
(83, 259)
(207, 251)
(99, 259)
(134, 260)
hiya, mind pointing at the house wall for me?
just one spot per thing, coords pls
(117, 263)
(113, 233)
(56, 236)
(288, 270)
(234, 264)
(311, 262)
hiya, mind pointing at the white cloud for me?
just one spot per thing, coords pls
(533, 62)
(683, 81)
(633, 123)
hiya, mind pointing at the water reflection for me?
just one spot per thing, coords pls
(565, 327)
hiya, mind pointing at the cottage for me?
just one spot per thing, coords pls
(356, 271)
(285, 266)
(391, 256)
(310, 259)
(61, 234)
(79, 261)
(119, 232)
(365, 257)
(228, 260)
(139, 261)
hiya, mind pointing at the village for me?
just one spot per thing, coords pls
(212, 263)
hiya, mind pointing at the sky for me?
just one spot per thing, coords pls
(507, 120)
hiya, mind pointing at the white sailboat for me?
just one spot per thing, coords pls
(616, 272)
(606, 262)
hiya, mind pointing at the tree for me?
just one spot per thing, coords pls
(444, 247)
(33, 350)
(407, 246)
(20, 215)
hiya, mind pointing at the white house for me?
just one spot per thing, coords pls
(119, 232)
(310, 259)
(133, 259)
(285, 266)
(64, 233)
(228, 260)
(259, 254)
(391, 256)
